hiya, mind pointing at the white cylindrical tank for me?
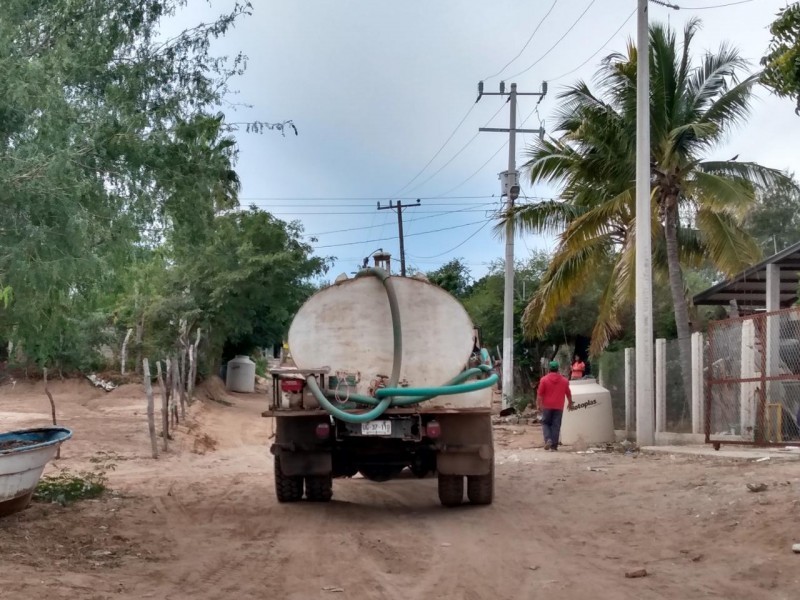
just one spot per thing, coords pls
(241, 375)
(347, 327)
(591, 421)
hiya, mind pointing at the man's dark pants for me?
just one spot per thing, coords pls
(551, 425)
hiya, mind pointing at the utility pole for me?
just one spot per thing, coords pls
(645, 412)
(399, 208)
(510, 189)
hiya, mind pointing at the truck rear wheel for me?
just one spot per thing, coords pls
(480, 488)
(319, 488)
(287, 489)
(451, 489)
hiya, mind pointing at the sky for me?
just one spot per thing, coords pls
(376, 88)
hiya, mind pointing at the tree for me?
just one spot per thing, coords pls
(697, 205)
(774, 221)
(453, 276)
(119, 190)
(782, 63)
(248, 280)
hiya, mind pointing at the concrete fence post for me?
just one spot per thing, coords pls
(748, 392)
(629, 393)
(698, 381)
(661, 386)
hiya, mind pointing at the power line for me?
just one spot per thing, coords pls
(456, 155)
(553, 47)
(596, 52)
(365, 198)
(716, 5)
(472, 106)
(483, 166)
(439, 151)
(432, 216)
(365, 205)
(354, 212)
(456, 247)
(547, 14)
(409, 235)
(676, 7)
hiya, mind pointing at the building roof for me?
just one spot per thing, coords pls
(749, 288)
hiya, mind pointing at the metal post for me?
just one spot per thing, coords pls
(644, 285)
(402, 244)
(508, 293)
(399, 208)
(629, 392)
(661, 386)
(511, 189)
(698, 397)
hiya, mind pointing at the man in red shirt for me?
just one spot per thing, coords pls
(552, 390)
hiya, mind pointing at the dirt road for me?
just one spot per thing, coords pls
(202, 523)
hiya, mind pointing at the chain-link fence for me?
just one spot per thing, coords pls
(753, 379)
(612, 373)
(678, 405)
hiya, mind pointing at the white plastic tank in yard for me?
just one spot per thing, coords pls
(241, 375)
(591, 421)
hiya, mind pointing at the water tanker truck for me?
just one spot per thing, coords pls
(387, 374)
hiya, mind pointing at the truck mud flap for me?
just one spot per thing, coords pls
(466, 446)
(469, 460)
(305, 463)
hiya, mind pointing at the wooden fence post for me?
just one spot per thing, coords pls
(151, 419)
(123, 355)
(52, 407)
(177, 384)
(164, 406)
(193, 358)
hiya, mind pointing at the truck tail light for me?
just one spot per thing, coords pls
(433, 430)
(293, 386)
(323, 431)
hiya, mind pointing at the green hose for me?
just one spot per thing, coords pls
(394, 309)
(444, 390)
(344, 415)
(393, 395)
(415, 398)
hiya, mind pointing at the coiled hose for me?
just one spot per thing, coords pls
(393, 395)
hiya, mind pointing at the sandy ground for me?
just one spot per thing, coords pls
(202, 522)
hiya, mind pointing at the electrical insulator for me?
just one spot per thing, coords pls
(502, 87)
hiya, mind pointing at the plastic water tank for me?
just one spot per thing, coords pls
(241, 375)
(591, 421)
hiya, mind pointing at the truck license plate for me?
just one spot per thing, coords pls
(376, 428)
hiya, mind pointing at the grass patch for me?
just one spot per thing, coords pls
(67, 487)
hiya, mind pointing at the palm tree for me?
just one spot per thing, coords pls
(697, 205)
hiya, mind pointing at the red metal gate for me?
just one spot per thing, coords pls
(752, 371)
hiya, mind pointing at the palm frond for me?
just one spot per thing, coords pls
(609, 218)
(731, 108)
(732, 195)
(548, 217)
(611, 302)
(568, 273)
(762, 176)
(730, 248)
